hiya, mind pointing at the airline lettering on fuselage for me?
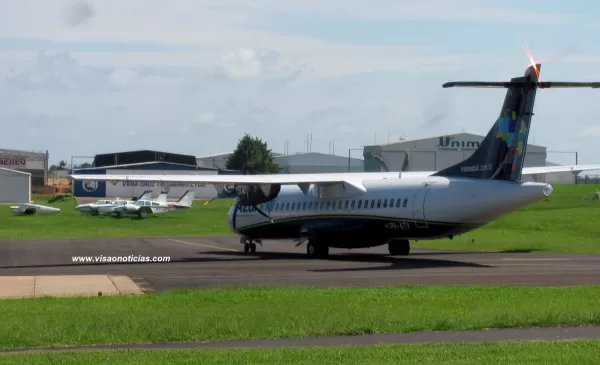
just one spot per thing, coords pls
(395, 226)
(162, 209)
(153, 184)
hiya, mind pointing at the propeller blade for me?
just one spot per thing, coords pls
(405, 164)
(263, 213)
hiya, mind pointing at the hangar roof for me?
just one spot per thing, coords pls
(15, 172)
(404, 140)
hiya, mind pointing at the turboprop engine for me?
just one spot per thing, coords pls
(254, 195)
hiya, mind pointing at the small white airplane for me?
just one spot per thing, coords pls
(106, 206)
(144, 207)
(361, 210)
(30, 209)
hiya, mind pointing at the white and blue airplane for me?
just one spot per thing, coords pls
(361, 210)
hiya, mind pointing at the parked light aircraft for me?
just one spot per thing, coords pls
(30, 209)
(142, 208)
(106, 206)
(360, 210)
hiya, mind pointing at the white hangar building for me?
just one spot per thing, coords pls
(315, 163)
(436, 153)
(299, 163)
(15, 186)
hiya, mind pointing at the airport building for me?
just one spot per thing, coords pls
(32, 162)
(438, 152)
(142, 162)
(314, 163)
(15, 186)
(299, 163)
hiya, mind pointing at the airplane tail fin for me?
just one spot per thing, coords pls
(162, 197)
(187, 199)
(501, 154)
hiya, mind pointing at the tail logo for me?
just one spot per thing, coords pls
(506, 128)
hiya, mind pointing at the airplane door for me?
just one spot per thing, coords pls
(419, 205)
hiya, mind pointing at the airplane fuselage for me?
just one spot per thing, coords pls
(391, 209)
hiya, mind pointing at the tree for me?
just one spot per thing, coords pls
(252, 157)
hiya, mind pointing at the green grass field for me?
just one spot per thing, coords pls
(530, 352)
(564, 223)
(243, 313)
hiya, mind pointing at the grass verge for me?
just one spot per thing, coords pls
(522, 352)
(565, 223)
(245, 313)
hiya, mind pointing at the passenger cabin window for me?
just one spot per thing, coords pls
(372, 203)
(340, 205)
(391, 203)
(155, 204)
(359, 204)
(398, 203)
(385, 203)
(287, 206)
(405, 202)
(378, 203)
(304, 206)
(348, 202)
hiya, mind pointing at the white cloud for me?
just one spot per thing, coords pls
(235, 77)
(592, 131)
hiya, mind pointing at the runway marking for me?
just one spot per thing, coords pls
(203, 245)
(538, 259)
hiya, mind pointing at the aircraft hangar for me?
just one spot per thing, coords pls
(438, 152)
(15, 186)
(142, 162)
(297, 163)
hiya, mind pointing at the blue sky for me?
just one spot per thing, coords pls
(193, 76)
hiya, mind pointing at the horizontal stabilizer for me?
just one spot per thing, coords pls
(542, 170)
(507, 84)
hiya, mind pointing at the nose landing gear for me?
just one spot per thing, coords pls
(250, 244)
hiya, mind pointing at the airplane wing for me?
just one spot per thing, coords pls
(560, 168)
(333, 185)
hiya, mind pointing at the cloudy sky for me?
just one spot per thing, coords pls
(192, 76)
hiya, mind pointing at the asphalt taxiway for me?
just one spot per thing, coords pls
(202, 262)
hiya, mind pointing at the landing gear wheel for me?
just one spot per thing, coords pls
(314, 250)
(399, 248)
(250, 247)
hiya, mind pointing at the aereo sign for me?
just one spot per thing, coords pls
(12, 161)
(452, 145)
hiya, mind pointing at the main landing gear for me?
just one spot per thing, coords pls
(399, 248)
(316, 250)
(250, 244)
